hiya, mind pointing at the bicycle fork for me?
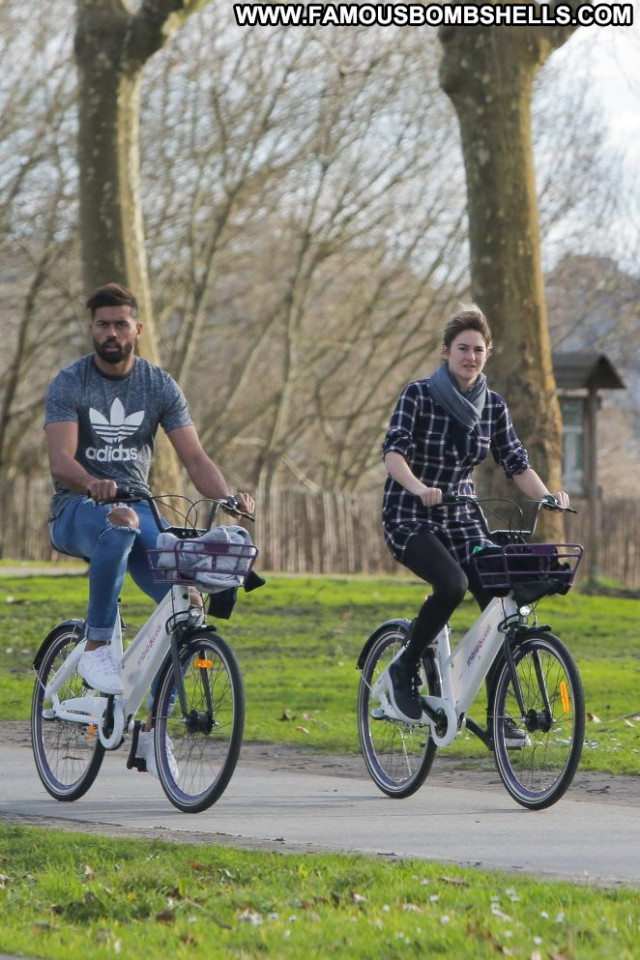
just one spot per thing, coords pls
(201, 721)
(178, 674)
(542, 720)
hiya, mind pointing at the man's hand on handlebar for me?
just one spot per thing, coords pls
(246, 503)
(240, 505)
(102, 490)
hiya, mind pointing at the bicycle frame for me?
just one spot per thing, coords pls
(140, 663)
(462, 670)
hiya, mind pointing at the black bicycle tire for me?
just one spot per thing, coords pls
(62, 635)
(206, 797)
(507, 760)
(401, 788)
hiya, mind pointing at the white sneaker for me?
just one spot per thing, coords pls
(147, 752)
(100, 671)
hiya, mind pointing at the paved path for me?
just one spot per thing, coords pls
(270, 806)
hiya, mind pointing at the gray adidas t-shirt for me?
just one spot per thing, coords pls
(117, 418)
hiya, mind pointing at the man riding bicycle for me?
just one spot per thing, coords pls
(102, 416)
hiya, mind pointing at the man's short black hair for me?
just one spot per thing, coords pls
(112, 295)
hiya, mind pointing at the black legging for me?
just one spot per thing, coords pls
(430, 560)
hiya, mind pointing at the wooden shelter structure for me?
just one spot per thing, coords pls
(580, 376)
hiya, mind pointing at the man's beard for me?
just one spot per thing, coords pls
(113, 356)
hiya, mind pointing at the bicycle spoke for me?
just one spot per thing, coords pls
(198, 749)
(68, 754)
(398, 755)
(539, 772)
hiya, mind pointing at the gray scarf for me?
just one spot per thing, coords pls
(463, 408)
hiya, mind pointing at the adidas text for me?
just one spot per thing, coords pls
(111, 454)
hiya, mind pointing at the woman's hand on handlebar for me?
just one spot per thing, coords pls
(556, 501)
(562, 499)
(429, 496)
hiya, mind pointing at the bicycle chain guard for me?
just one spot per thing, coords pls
(113, 718)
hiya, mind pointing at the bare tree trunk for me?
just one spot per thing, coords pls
(488, 74)
(112, 46)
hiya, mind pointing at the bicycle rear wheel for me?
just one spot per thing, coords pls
(398, 755)
(539, 773)
(197, 752)
(67, 755)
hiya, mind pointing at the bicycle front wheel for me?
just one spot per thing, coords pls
(197, 750)
(68, 754)
(398, 755)
(541, 769)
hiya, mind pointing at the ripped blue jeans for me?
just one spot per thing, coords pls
(83, 529)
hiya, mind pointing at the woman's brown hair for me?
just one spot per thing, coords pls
(469, 317)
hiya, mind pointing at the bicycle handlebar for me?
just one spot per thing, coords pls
(548, 502)
(125, 494)
(230, 504)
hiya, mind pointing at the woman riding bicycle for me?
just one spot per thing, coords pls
(442, 427)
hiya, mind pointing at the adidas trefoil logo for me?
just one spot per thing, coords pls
(119, 426)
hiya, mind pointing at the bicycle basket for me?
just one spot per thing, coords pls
(217, 561)
(531, 570)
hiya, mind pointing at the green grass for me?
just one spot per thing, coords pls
(298, 640)
(68, 897)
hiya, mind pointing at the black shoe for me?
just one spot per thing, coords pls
(404, 690)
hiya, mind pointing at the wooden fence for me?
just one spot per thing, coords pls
(331, 532)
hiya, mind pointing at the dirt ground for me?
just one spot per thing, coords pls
(447, 771)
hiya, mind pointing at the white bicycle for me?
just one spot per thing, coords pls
(538, 688)
(198, 709)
